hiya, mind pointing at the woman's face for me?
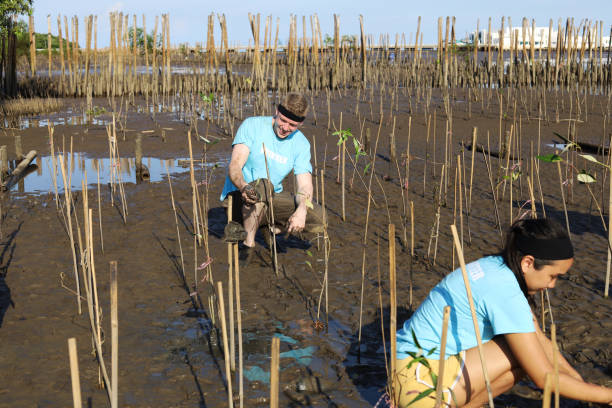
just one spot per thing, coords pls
(545, 277)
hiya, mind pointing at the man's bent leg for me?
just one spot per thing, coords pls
(252, 216)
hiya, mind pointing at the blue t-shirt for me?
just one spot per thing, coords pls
(501, 308)
(284, 155)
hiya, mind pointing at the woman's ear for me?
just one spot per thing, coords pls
(527, 264)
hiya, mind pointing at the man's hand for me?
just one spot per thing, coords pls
(249, 195)
(297, 221)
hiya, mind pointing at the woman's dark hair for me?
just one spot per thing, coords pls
(528, 228)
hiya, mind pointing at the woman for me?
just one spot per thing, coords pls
(536, 253)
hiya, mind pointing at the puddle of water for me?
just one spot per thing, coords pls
(559, 146)
(41, 180)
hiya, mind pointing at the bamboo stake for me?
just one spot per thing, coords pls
(274, 374)
(228, 374)
(547, 391)
(607, 284)
(239, 325)
(441, 361)
(230, 289)
(74, 373)
(393, 306)
(473, 310)
(114, 336)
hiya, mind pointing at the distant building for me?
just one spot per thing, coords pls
(540, 37)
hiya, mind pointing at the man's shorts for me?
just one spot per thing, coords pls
(412, 381)
(284, 205)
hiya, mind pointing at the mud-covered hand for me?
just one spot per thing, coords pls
(297, 221)
(249, 195)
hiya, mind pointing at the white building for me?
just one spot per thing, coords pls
(540, 36)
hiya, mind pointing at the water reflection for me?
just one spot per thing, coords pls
(90, 169)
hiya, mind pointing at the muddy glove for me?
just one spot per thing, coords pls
(249, 195)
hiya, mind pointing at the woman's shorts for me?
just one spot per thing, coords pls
(410, 382)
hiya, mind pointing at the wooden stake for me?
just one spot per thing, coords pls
(228, 373)
(114, 336)
(230, 289)
(441, 361)
(239, 324)
(473, 310)
(274, 374)
(393, 305)
(74, 373)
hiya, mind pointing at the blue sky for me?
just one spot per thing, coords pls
(188, 18)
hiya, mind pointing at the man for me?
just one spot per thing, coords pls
(286, 150)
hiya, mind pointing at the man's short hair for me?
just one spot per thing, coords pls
(296, 103)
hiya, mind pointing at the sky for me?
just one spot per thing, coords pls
(188, 18)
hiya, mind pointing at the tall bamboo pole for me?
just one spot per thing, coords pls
(473, 310)
(74, 373)
(393, 306)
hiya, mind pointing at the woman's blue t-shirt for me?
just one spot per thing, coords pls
(501, 308)
(284, 155)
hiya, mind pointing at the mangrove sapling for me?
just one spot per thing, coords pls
(488, 164)
(436, 224)
(365, 239)
(343, 135)
(473, 311)
(228, 375)
(271, 222)
(68, 207)
(469, 205)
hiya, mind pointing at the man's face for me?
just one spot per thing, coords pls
(284, 126)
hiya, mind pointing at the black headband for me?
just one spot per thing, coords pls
(290, 115)
(546, 249)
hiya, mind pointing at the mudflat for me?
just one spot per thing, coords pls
(170, 345)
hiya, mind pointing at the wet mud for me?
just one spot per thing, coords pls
(170, 351)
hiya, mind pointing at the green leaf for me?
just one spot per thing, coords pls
(434, 379)
(585, 177)
(589, 158)
(309, 264)
(308, 253)
(414, 339)
(550, 158)
(422, 395)
(367, 167)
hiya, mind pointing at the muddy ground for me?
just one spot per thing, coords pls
(169, 350)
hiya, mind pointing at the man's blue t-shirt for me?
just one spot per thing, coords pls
(501, 308)
(284, 155)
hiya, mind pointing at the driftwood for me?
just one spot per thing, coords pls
(22, 169)
(492, 153)
(586, 147)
